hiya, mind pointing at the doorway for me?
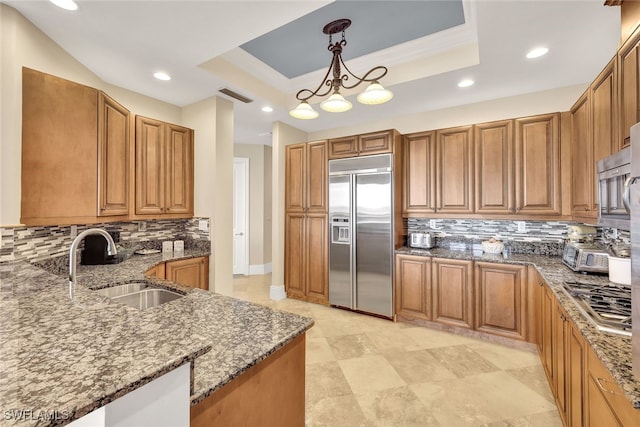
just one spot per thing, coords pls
(241, 215)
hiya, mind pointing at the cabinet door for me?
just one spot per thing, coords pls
(581, 158)
(500, 292)
(295, 177)
(494, 167)
(317, 255)
(413, 286)
(193, 272)
(150, 158)
(343, 147)
(576, 369)
(113, 157)
(419, 168)
(452, 291)
(317, 177)
(537, 165)
(59, 154)
(560, 358)
(375, 143)
(454, 170)
(294, 255)
(629, 88)
(547, 346)
(179, 170)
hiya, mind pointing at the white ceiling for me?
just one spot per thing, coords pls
(197, 42)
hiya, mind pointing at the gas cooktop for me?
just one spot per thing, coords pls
(607, 306)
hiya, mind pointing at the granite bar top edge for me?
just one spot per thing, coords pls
(613, 350)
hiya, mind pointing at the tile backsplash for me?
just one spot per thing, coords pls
(39, 243)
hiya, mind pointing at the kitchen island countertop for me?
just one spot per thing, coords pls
(59, 358)
(613, 350)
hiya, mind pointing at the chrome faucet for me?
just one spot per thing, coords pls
(111, 250)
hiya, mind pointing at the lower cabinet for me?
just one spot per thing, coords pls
(453, 292)
(500, 295)
(413, 286)
(192, 272)
(575, 363)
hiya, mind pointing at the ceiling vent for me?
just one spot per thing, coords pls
(235, 95)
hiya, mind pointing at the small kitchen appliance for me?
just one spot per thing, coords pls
(421, 240)
(585, 257)
(95, 250)
(614, 185)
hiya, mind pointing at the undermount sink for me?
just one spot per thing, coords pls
(140, 295)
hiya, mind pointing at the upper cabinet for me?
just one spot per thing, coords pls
(306, 177)
(164, 169)
(537, 165)
(454, 170)
(419, 192)
(362, 145)
(629, 89)
(494, 178)
(75, 153)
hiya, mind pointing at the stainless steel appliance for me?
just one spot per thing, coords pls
(361, 234)
(634, 205)
(585, 257)
(608, 306)
(614, 180)
(421, 240)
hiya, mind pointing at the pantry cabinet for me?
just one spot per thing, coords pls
(452, 291)
(306, 222)
(75, 153)
(164, 169)
(413, 286)
(500, 295)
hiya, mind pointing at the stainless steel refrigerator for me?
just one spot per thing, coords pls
(361, 234)
(634, 204)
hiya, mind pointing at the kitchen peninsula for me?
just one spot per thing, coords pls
(64, 360)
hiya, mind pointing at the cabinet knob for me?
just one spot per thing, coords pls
(586, 209)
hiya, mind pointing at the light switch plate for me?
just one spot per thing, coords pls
(203, 225)
(142, 226)
(432, 223)
(74, 231)
(522, 226)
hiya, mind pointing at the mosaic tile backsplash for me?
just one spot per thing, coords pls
(35, 244)
(538, 237)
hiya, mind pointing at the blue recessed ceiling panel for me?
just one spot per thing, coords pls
(300, 47)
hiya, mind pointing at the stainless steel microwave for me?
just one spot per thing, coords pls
(614, 179)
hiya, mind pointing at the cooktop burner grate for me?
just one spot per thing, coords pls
(608, 306)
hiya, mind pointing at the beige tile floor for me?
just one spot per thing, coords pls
(365, 371)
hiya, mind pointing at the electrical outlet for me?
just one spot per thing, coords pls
(432, 223)
(74, 231)
(522, 226)
(203, 225)
(142, 226)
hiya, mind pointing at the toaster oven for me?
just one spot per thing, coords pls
(585, 257)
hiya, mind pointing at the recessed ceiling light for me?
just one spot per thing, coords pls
(65, 4)
(161, 76)
(267, 109)
(537, 52)
(465, 83)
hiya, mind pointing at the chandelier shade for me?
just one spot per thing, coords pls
(336, 103)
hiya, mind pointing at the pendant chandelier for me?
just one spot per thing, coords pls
(336, 103)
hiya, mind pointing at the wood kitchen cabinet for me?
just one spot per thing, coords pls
(413, 286)
(500, 295)
(193, 272)
(306, 222)
(454, 170)
(537, 165)
(560, 336)
(546, 346)
(164, 169)
(363, 145)
(494, 177)
(628, 88)
(581, 158)
(452, 292)
(419, 189)
(576, 360)
(75, 153)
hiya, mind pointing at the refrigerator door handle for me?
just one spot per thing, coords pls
(627, 193)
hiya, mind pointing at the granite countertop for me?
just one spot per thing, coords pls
(614, 350)
(57, 356)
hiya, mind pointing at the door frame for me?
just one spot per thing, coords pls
(244, 162)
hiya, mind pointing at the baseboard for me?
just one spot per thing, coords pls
(277, 292)
(259, 269)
